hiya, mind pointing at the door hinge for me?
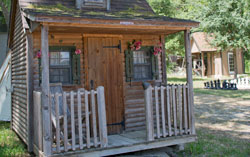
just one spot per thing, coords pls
(119, 46)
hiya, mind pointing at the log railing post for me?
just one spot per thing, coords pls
(102, 116)
(46, 107)
(189, 76)
(149, 111)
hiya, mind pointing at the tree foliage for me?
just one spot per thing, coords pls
(227, 20)
(5, 9)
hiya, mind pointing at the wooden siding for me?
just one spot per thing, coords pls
(133, 91)
(19, 79)
(59, 39)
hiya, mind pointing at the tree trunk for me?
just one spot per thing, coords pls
(5, 11)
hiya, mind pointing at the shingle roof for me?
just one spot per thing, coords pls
(120, 9)
(203, 41)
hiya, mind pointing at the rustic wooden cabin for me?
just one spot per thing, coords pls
(77, 74)
(212, 62)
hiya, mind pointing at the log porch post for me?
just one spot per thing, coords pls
(189, 76)
(163, 59)
(149, 111)
(46, 108)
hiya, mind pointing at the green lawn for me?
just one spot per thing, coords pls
(10, 144)
(214, 143)
(243, 94)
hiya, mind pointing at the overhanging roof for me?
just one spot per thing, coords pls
(128, 14)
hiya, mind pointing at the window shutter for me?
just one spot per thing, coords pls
(76, 69)
(155, 68)
(129, 65)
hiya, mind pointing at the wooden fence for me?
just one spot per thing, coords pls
(169, 111)
(78, 121)
(242, 83)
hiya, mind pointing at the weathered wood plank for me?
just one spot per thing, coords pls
(87, 118)
(157, 112)
(65, 122)
(47, 129)
(190, 77)
(180, 107)
(102, 117)
(72, 105)
(174, 109)
(169, 111)
(57, 123)
(185, 108)
(93, 109)
(163, 117)
(79, 105)
(149, 114)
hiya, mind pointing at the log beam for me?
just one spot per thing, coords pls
(189, 76)
(47, 137)
(164, 72)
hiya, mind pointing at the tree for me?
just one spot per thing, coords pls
(5, 7)
(228, 21)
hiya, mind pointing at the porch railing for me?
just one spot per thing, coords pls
(78, 120)
(169, 111)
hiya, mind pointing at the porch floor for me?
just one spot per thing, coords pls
(130, 142)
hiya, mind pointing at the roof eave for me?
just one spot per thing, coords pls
(113, 22)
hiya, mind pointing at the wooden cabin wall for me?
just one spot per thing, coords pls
(19, 78)
(217, 64)
(59, 39)
(225, 63)
(133, 91)
(240, 61)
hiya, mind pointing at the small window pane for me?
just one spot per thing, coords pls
(142, 65)
(59, 58)
(231, 62)
(64, 77)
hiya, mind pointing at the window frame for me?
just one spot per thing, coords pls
(229, 65)
(150, 78)
(69, 49)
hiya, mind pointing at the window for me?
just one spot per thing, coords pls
(60, 67)
(141, 65)
(231, 63)
(64, 65)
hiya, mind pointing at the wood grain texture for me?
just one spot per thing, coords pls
(20, 97)
(190, 77)
(47, 134)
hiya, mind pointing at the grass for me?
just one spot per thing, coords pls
(198, 82)
(243, 94)
(10, 144)
(214, 143)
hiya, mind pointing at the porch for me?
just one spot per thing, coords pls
(75, 122)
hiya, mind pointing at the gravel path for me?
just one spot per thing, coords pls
(229, 115)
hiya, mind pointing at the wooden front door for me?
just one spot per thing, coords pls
(105, 69)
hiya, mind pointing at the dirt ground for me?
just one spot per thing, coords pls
(230, 116)
(222, 124)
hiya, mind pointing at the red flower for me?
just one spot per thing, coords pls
(138, 48)
(78, 51)
(39, 54)
(155, 53)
